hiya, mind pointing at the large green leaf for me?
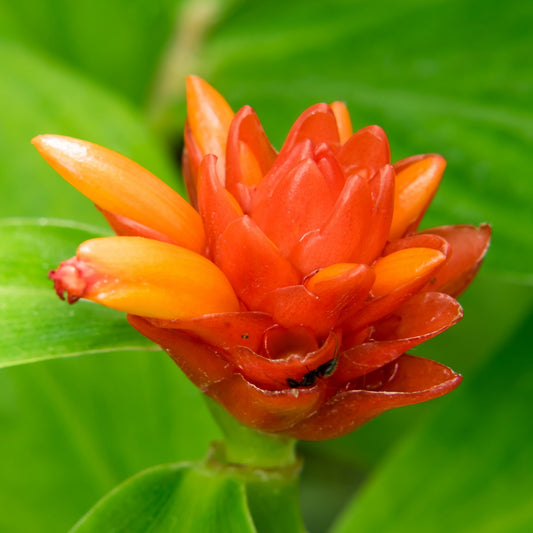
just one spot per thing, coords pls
(173, 498)
(35, 324)
(465, 94)
(198, 498)
(469, 469)
(72, 429)
(118, 43)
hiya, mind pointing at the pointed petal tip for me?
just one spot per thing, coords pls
(194, 84)
(417, 181)
(209, 116)
(344, 123)
(66, 155)
(39, 140)
(468, 246)
(49, 142)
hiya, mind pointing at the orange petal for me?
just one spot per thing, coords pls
(199, 361)
(249, 154)
(406, 381)
(283, 164)
(126, 227)
(316, 123)
(146, 277)
(216, 205)
(382, 193)
(296, 306)
(468, 246)
(121, 186)
(330, 168)
(342, 288)
(266, 410)
(299, 203)
(417, 182)
(418, 240)
(209, 117)
(422, 317)
(344, 123)
(341, 234)
(252, 262)
(224, 330)
(291, 369)
(365, 152)
(191, 158)
(326, 299)
(403, 267)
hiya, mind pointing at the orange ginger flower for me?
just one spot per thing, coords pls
(293, 289)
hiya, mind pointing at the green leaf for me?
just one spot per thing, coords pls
(74, 428)
(199, 498)
(275, 506)
(36, 324)
(135, 36)
(180, 498)
(468, 469)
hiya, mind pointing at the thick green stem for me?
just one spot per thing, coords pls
(249, 447)
(268, 466)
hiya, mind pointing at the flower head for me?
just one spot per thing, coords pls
(293, 286)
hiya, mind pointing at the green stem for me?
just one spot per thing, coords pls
(249, 447)
(268, 466)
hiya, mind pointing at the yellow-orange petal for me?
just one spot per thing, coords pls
(415, 186)
(326, 274)
(148, 278)
(209, 117)
(121, 186)
(403, 267)
(344, 123)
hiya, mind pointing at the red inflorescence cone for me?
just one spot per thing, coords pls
(292, 291)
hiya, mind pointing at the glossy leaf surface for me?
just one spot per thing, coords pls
(29, 250)
(173, 498)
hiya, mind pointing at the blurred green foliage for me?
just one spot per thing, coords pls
(453, 77)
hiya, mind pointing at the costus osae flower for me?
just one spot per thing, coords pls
(291, 287)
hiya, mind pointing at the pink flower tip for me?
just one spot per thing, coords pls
(71, 277)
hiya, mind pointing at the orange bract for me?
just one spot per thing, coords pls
(292, 293)
(139, 275)
(122, 187)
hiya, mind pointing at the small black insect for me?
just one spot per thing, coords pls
(309, 379)
(245, 336)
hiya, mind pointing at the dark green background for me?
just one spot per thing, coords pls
(453, 77)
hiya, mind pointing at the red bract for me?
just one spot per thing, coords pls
(293, 292)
